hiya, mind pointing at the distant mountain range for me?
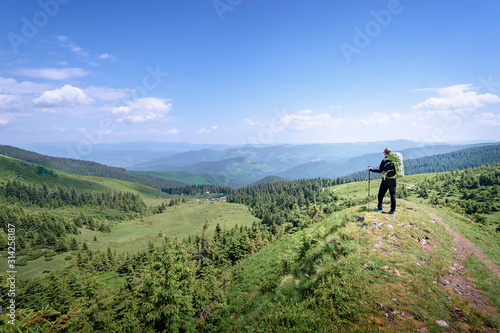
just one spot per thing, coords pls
(117, 154)
(249, 164)
(235, 166)
(86, 168)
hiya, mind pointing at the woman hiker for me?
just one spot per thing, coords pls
(388, 183)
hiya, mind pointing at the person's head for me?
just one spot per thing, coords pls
(387, 151)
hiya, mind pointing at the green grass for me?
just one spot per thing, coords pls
(36, 268)
(481, 236)
(336, 276)
(488, 282)
(178, 221)
(27, 172)
(112, 279)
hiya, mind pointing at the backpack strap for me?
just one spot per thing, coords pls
(385, 172)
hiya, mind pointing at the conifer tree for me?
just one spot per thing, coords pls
(163, 301)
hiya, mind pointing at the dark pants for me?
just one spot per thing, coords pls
(387, 184)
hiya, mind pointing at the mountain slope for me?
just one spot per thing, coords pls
(290, 161)
(86, 168)
(119, 154)
(268, 179)
(460, 159)
(340, 168)
(11, 168)
(235, 171)
(179, 176)
(279, 157)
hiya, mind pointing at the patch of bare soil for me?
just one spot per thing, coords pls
(457, 279)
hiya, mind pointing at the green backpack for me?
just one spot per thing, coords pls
(398, 170)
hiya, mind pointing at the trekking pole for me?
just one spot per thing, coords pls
(368, 188)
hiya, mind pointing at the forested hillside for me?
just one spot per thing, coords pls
(86, 168)
(473, 192)
(457, 160)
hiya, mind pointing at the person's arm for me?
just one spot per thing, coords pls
(380, 168)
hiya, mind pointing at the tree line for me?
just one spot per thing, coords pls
(473, 191)
(39, 195)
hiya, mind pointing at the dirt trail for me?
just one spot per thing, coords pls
(457, 279)
(465, 247)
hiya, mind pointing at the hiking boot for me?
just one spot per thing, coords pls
(392, 212)
(377, 210)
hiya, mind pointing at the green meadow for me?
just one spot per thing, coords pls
(180, 221)
(11, 168)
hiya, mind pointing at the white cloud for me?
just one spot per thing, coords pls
(172, 131)
(378, 118)
(78, 50)
(14, 103)
(306, 112)
(5, 99)
(11, 86)
(488, 119)
(62, 38)
(81, 130)
(10, 117)
(142, 109)
(415, 124)
(52, 73)
(252, 122)
(107, 94)
(301, 121)
(458, 98)
(106, 56)
(205, 130)
(66, 42)
(65, 96)
(306, 121)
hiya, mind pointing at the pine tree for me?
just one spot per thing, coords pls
(74, 244)
(164, 301)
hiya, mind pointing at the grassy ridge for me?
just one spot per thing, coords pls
(86, 168)
(337, 276)
(481, 235)
(11, 168)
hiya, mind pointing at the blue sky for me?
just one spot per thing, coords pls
(242, 71)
